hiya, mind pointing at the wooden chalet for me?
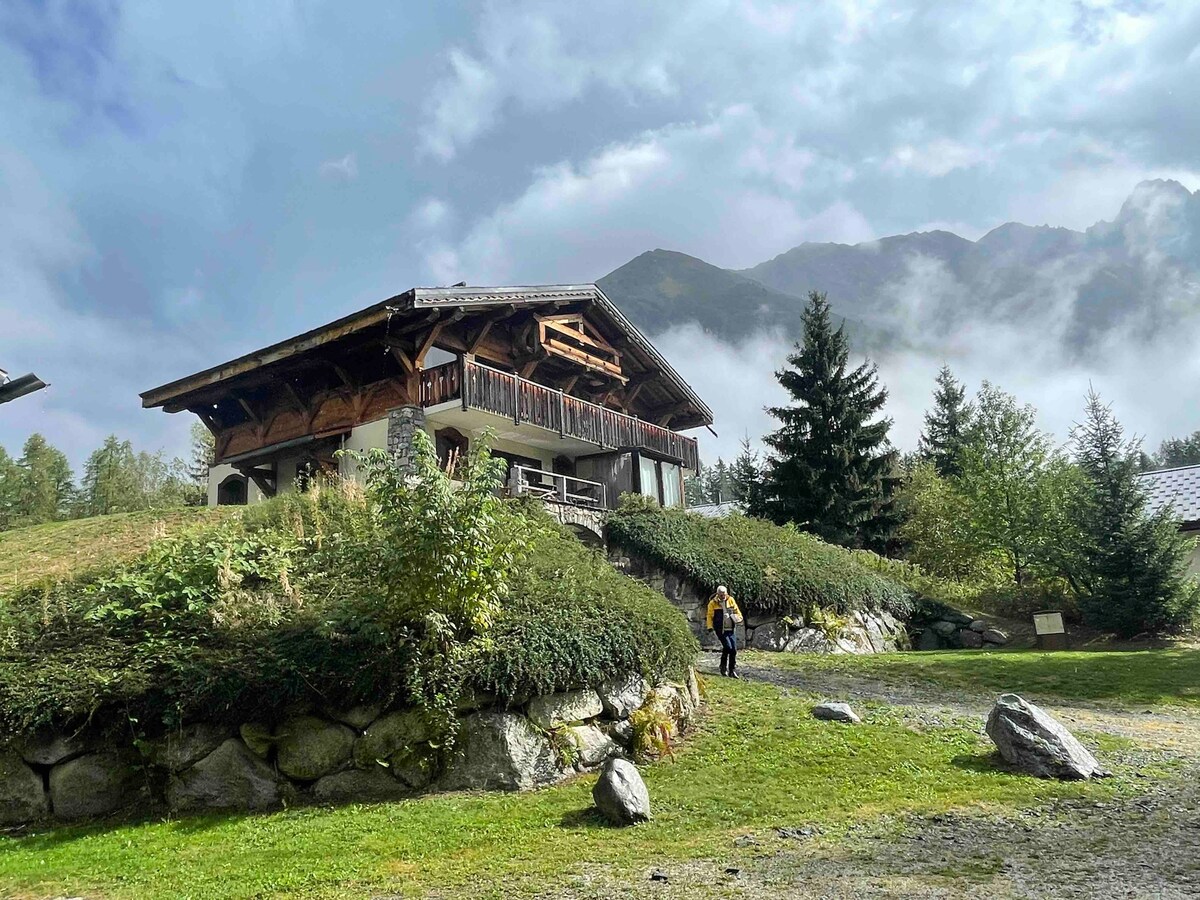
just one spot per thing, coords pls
(582, 406)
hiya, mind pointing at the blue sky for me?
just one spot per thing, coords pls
(181, 183)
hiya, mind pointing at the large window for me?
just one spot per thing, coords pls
(661, 480)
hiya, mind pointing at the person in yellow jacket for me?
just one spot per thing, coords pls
(723, 618)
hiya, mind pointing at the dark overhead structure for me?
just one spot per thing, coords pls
(12, 388)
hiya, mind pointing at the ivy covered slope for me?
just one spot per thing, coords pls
(769, 568)
(410, 592)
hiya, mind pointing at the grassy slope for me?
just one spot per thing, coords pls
(1135, 678)
(59, 549)
(758, 761)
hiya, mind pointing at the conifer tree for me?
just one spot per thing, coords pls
(10, 490)
(717, 485)
(831, 469)
(46, 483)
(946, 425)
(745, 477)
(1134, 564)
(112, 479)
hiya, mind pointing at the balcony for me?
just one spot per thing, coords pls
(525, 402)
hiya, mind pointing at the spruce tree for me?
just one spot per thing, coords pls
(717, 486)
(831, 469)
(745, 476)
(946, 425)
(112, 479)
(1134, 564)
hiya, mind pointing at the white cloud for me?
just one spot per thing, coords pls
(344, 169)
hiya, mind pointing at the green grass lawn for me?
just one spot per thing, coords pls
(58, 549)
(1127, 678)
(758, 761)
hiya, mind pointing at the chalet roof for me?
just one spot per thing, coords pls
(406, 306)
(1177, 488)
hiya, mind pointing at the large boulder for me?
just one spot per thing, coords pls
(593, 744)
(415, 766)
(620, 794)
(357, 717)
(308, 748)
(995, 636)
(185, 746)
(363, 785)
(835, 711)
(673, 702)
(500, 750)
(96, 784)
(565, 708)
(772, 636)
(1034, 742)
(23, 797)
(621, 696)
(231, 777)
(389, 735)
(809, 640)
(943, 628)
(47, 748)
(257, 737)
(971, 640)
(929, 640)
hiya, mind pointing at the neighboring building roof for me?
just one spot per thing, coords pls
(431, 299)
(12, 388)
(718, 510)
(1177, 488)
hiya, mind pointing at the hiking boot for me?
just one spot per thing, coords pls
(734, 675)
(722, 673)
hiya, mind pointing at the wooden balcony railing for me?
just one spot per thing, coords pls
(528, 403)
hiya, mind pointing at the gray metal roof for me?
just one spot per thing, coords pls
(717, 510)
(1177, 488)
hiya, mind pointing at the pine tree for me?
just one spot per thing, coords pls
(745, 476)
(717, 485)
(1134, 564)
(946, 425)
(693, 487)
(203, 447)
(46, 483)
(10, 490)
(113, 479)
(831, 469)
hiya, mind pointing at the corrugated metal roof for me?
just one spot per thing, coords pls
(1177, 488)
(717, 510)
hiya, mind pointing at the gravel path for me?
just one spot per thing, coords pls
(1145, 846)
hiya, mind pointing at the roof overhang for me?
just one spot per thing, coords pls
(431, 299)
(12, 388)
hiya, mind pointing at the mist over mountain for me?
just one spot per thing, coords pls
(1045, 312)
(1127, 279)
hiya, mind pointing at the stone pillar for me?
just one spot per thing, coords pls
(403, 423)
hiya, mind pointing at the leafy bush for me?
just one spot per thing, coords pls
(769, 568)
(334, 596)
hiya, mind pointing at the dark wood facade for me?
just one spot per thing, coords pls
(560, 357)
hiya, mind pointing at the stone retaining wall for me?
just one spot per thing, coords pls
(861, 632)
(328, 755)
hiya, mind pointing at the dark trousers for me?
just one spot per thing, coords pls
(728, 641)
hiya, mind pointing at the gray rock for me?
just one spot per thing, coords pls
(773, 636)
(363, 785)
(929, 640)
(96, 784)
(979, 625)
(415, 766)
(693, 688)
(48, 748)
(500, 750)
(594, 745)
(944, 628)
(620, 794)
(258, 738)
(620, 731)
(390, 734)
(1034, 742)
(809, 640)
(565, 708)
(995, 636)
(185, 746)
(958, 618)
(357, 717)
(834, 711)
(308, 748)
(621, 696)
(971, 640)
(674, 703)
(231, 777)
(23, 797)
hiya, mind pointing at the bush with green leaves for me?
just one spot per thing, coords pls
(769, 568)
(413, 591)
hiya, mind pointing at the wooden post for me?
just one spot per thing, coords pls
(465, 361)
(562, 414)
(516, 399)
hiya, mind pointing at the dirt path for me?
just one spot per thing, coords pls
(1144, 846)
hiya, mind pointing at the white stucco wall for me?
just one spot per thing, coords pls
(361, 438)
(217, 474)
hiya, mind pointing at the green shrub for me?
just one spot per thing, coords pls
(308, 598)
(769, 568)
